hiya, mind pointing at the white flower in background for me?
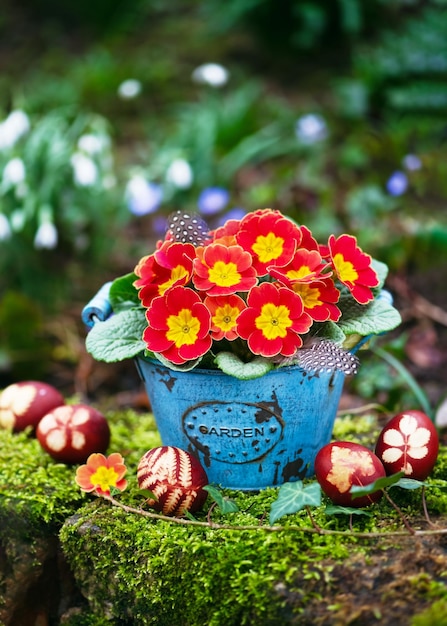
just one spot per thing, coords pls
(85, 171)
(90, 144)
(412, 162)
(46, 236)
(180, 174)
(5, 228)
(14, 172)
(12, 128)
(211, 74)
(129, 89)
(311, 128)
(142, 196)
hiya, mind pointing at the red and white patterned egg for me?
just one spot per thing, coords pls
(175, 477)
(344, 464)
(71, 433)
(24, 404)
(409, 443)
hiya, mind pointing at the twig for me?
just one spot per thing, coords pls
(249, 527)
(424, 506)
(399, 512)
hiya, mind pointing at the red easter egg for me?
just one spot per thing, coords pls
(409, 443)
(24, 404)
(176, 477)
(71, 433)
(341, 465)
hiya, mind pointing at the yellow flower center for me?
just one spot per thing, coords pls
(183, 328)
(177, 272)
(273, 321)
(268, 247)
(225, 317)
(301, 273)
(104, 478)
(309, 295)
(345, 269)
(224, 274)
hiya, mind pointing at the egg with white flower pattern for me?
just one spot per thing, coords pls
(175, 477)
(409, 443)
(71, 433)
(23, 404)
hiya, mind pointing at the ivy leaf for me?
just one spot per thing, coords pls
(225, 504)
(123, 295)
(346, 510)
(410, 483)
(294, 497)
(232, 365)
(377, 485)
(117, 338)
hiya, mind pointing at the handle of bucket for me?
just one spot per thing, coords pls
(98, 309)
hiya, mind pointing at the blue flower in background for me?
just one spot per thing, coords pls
(213, 200)
(412, 162)
(142, 196)
(397, 184)
(160, 225)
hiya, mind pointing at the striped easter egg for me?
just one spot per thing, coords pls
(175, 477)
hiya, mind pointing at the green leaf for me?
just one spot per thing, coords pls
(379, 484)
(232, 365)
(410, 483)
(294, 497)
(377, 317)
(225, 504)
(123, 294)
(147, 493)
(381, 270)
(117, 338)
(185, 367)
(346, 510)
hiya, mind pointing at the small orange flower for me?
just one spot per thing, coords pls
(169, 266)
(224, 312)
(219, 270)
(269, 237)
(101, 474)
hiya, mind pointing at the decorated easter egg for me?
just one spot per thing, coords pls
(71, 433)
(24, 404)
(175, 477)
(342, 465)
(409, 443)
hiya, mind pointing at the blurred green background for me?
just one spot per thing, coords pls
(113, 114)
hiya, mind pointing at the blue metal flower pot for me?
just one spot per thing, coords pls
(247, 434)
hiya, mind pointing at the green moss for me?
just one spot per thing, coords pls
(37, 494)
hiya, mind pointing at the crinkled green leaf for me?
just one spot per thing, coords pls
(293, 497)
(345, 510)
(377, 317)
(379, 484)
(232, 365)
(225, 504)
(185, 367)
(381, 270)
(117, 338)
(123, 294)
